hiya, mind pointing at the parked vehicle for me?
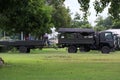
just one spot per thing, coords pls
(23, 46)
(72, 38)
(86, 40)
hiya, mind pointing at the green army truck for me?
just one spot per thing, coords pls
(86, 40)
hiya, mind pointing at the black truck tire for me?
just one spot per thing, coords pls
(23, 49)
(105, 50)
(72, 49)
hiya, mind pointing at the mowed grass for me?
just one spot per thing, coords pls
(51, 64)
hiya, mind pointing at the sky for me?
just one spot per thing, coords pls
(74, 7)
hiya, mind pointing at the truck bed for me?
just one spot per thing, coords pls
(23, 43)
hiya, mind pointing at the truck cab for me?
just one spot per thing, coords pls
(106, 41)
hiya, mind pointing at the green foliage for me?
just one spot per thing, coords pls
(84, 4)
(25, 15)
(114, 9)
(78, 22)
(103, 24)
(99, 28)
(107, 23)
(60, 15)
(100, 5)
(55, 3)
(61, 18)
(116, 24)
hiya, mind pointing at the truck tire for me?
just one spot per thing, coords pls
(72, 49)
(105, 50)
(23, 49)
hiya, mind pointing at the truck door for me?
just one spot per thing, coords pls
(106, 42)
(107, 38)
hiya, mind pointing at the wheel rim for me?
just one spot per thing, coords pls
(72, 49)
(105, 49)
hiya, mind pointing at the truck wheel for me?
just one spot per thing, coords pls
(105, 49)
(23, 49)
(72, 49)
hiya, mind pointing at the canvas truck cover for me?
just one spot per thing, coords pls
(62, 30)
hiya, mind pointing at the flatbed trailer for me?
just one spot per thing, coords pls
(23, 46)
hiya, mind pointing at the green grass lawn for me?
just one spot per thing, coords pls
(51, 64)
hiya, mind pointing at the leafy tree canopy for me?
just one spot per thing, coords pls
(99, 6)
(60, 15)
(116, 24)
(29, 16)
(107, 23)
(79, 22)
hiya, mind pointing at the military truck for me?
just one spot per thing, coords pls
(85, 40)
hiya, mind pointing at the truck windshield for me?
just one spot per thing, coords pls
(108, 36)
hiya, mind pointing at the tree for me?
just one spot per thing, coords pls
(99, 6)
(103, 24)
(116, 24)
(78, 22)
(99, 28)
(60, 15)
(29, 16)
(108, 22)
